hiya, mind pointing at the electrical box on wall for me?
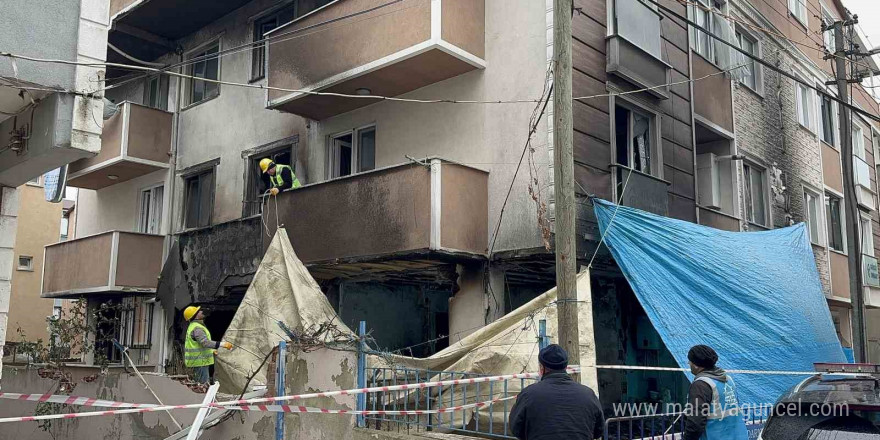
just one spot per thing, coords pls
(708, 181)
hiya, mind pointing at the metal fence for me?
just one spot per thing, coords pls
(666, 426)
(488, 421)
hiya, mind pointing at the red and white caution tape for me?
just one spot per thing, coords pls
(73, 400)
(305, 409)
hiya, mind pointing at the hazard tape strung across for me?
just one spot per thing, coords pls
(305, 409)
(73, 400)
(769, 372)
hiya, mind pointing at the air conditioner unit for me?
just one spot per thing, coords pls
(707, 181)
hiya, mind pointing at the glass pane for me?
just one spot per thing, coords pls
(812, 216)
(206, 193)
(345, 160)
(835, 227)
(621, 133)
(192, 202)
(367, 150)
(145, 211)
(641, 143)
(757, 187)
(867, 239)
(805, 106)
(747, 182)
(156, 210)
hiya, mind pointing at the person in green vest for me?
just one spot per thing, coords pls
(280, 176)
(199, 349)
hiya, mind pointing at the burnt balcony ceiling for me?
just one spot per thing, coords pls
(148, 29)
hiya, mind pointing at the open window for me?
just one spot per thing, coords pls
(834, 217)
(352, 152)
(284, 153)
(755, 194)
(198, 199)
(805, 100)
(715, 171)
(702, 43)
(150, 210)
(813, 215)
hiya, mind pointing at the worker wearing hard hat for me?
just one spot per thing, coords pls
(199, 349)
(280, 176)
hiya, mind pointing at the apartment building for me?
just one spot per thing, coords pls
(403, 216)
(43, 127)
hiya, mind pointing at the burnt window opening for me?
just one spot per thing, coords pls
(198, 199)
(257, 182)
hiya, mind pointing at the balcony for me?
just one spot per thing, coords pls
(403, 210)
(388, 51)
(111, 262)
(643, 191)
(136, 141)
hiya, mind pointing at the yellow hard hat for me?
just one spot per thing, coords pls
(265, 164)
(190, 311)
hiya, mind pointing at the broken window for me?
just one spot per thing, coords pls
(755, 194)
(352, 152)
(257, 183)
(150, 215)
(834, 216)
(205, 64)
(198, 199)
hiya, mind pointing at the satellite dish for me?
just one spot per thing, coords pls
(55, 184)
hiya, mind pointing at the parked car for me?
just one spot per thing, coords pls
(827, 406)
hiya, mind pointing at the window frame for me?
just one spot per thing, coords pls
(152, 190)
(129, 318)
(28, 267)
(210, 167)
(36, 181)
(258, 35)
(655, 136)
(793, 11)
(858, 148)
(765, 192)
(828, 18)
(198, 51)
(829, 194)
(820, 127)
(811, 107)
(819, 199)
(870, 247)
(697, 12)
(331, 154)
(756, 69)
(253, 175)
(161, 81)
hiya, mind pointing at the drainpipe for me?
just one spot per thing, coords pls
(169, 216)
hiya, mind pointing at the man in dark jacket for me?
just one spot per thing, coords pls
(713, 411)
(557, 407)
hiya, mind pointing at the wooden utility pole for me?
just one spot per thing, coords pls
(563, 185)
(853, 244)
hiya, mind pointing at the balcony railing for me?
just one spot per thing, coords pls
(111, 262)
(135, 141)
(388, 51)
(403, 209)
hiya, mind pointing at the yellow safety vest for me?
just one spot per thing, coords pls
(194, 354)
(277, 180)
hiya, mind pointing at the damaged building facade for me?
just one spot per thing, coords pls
(409, 215)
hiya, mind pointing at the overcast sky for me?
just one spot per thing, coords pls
(869, 23)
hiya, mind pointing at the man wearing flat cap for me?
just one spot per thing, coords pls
(556, 407)
(713, 411)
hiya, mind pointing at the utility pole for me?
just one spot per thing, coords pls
(849, 192)
(563, 185)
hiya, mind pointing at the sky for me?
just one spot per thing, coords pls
(869, 24)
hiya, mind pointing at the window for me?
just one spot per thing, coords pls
(828, 36)
(57, 306)
(750, 45)
(798, 9)
(866, 233)
(703, 43)
(208, 67)
(755, 193)
(156, 92)
(804, 103)
(135, 322)
(198, 199)
(262, 26)
(858, 141)
(65, 225)
(25, 262)
(634, 139)
(812, 211)
(257, 183)
(36, 181)
(834, 217)
(150, 215)
(353, 152)
(826, 119)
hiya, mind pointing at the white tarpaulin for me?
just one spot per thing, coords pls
(282, 291)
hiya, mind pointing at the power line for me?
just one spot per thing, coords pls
(670, 12)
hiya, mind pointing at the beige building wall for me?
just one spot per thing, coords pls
(39, 224)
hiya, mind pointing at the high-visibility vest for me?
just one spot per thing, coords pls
(278, 180)
(726, 420)
(194, 355)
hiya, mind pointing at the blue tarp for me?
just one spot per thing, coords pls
(755, 297)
